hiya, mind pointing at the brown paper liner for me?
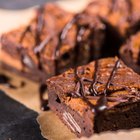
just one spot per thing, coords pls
(119, 135)
(52, 128)
(27, 95)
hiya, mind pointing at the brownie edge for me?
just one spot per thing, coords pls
(130, 52)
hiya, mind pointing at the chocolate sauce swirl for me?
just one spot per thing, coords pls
(80, 92)
(40, 44)
(92, 86)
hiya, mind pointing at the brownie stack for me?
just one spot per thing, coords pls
(99, 96)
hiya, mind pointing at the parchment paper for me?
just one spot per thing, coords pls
(52, 128)
(27, 95)
(120, 135)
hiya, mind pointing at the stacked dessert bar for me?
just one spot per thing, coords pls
(104, 93)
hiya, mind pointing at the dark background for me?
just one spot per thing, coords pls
(16, 121)
(21, 4)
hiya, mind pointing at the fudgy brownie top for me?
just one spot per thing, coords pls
(48, 21)
(99, 85)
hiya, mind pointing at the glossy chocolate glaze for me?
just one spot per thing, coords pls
(40, 24)
(80, 92)
(41, 44)
(111, 77)
(91, 88)
(80, 30)
(62, 35)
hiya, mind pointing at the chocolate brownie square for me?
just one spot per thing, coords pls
(52, 42)
(103, 95)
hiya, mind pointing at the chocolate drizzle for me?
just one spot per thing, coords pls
(40, 24)
(5, 80)
(40, 47)
(67, 27)
(20, 50)
(92, 86)
(80, 92)
(27, 29)
(102, 101)
(44, 102)
(61, 37)
(26, 61)
(80, 34)
(79, 41)
(117, 64)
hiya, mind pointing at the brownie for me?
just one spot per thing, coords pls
(103, 95)
(124, 15)
(130, 52)
(53, 41)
